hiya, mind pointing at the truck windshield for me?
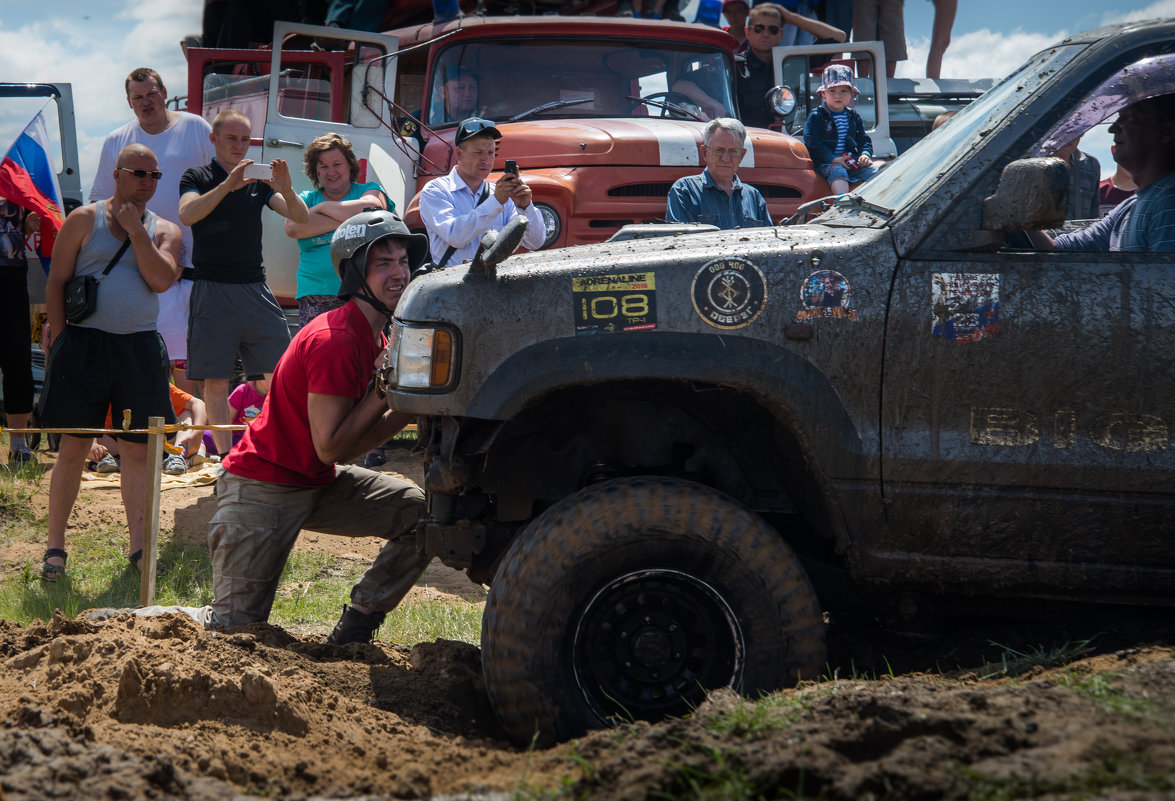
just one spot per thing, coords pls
(918, 169)
(520, 78)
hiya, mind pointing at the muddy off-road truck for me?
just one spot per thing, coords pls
(669, 456)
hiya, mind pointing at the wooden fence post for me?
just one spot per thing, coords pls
(155, 437)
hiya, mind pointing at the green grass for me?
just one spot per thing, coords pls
(1116, 773)
(311, 592)
(1103, 691)
(773, 712)
(1015, 663)
(445, 618)
(16, 491)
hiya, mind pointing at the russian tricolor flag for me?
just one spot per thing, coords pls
(27, 178)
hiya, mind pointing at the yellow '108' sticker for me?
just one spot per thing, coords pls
(610, 303)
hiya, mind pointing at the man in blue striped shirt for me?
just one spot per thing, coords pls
(717, 196)
(1144, 144)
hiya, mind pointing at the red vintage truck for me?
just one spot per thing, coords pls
(593, 109)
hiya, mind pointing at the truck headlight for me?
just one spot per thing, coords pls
(551, 222)
(421, 357)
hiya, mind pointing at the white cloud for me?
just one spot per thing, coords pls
(1157, 10)
(94, 53)
(979, 54)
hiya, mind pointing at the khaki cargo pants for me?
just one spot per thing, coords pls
(256, 524)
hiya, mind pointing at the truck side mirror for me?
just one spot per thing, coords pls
(496, 246)
(1032, 194)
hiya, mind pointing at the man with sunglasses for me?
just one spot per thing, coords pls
(756, 75)
(180, 140)
(114, 358)
(717, 196)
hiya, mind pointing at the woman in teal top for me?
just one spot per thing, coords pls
(332, 167)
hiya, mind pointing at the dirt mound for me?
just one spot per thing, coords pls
(142, 708)
(191, 713)
(919, 737)
(139, 708)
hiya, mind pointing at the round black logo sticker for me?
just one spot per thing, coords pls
(729, 293)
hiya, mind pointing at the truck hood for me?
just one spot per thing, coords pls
(618, 141)
(633, 298)
(796, 250)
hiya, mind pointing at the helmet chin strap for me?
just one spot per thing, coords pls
(363, 293)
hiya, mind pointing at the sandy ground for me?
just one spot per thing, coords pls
(158, 708)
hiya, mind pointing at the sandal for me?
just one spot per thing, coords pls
(136, 562)
(51, 572)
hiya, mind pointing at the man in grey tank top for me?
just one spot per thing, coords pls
(113, 359)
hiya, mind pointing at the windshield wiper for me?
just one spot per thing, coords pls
(830, 201)
(549, 106)
(666, 106)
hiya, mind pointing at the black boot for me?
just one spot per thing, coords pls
(355, 626)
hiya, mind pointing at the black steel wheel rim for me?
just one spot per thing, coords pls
(651, 643)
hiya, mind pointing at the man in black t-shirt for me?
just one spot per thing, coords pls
(232, 310)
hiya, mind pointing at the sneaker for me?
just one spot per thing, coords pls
(107, 464)
(174, 465)
(355, 626)
(20, 456)
(375, 459)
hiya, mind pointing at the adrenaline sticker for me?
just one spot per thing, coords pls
(610, 303)
(965, 307)
(729, 293)
(825, 293)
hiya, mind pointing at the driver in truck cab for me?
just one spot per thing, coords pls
(459, 93)
(459, 97)
(1144, 143)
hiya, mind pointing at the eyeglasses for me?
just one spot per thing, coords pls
(154, 175)
(732, 153)
(771, 29)
(152, 95)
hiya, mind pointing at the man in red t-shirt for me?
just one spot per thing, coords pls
(284, 474)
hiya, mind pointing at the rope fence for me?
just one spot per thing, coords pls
(157, 433)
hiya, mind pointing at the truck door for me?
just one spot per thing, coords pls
(1028, 399)
(800, 68)
(314, 81)
(345, 92)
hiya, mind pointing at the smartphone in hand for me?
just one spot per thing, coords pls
(511, 166)
(263, 172)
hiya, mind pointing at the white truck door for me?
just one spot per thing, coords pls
(800, 67)
(341, 90)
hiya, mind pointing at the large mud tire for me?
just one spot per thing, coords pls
(631, 598)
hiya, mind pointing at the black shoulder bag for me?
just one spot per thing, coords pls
(81, 291)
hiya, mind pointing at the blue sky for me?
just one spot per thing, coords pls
(93, 44)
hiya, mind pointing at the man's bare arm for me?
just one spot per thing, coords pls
(342, 429)
(286, 201)
(195, 207)
(821, 30)
(158, 258)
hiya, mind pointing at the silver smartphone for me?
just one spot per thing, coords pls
(262, 172)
